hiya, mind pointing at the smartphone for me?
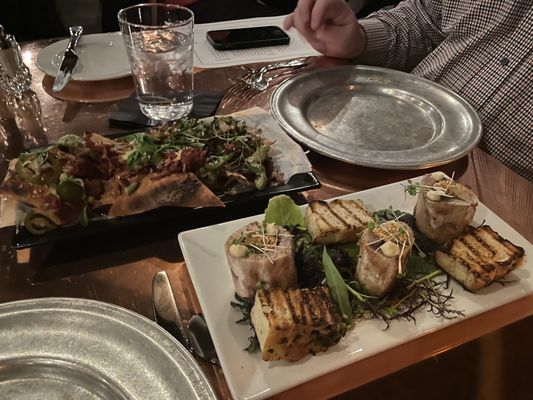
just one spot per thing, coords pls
(247, 38)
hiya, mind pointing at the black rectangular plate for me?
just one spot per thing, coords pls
(177, 217)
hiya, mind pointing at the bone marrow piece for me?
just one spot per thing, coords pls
(479, 257)
(383, 254)
(293, 323)
(338, 221)
(261, 256)
(444, 208)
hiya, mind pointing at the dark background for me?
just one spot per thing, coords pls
(39, 19)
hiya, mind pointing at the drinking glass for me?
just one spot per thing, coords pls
(159, 43)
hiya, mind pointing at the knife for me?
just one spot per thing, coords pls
(166, 313)
(70, 58)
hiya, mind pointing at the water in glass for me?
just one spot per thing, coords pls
(161, 62)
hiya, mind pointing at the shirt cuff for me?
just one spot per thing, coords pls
(377, 36)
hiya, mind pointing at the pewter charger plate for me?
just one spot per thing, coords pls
(376, 117)
(61, 348)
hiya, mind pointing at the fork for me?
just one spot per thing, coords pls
(262, 84)
(257, 75)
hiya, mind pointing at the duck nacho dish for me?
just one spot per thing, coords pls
(188, 163)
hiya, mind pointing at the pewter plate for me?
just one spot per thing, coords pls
(62, 348)
(376, 117)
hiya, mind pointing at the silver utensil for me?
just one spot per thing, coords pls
(264, 82)
(259, 74)
(200, 339)
(166, 313)
(196, 337)
(70, 58)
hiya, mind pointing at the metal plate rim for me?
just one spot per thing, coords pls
(172, 349)
(361, 161)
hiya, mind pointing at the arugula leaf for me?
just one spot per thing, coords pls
(144, 151)
(282, 210)
(350, 249)
(420, 265)
(337, 286)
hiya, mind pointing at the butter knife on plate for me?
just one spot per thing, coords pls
(70, 58)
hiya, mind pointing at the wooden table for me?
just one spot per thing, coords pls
(485, 357)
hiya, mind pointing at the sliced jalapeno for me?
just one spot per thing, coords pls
(261, 181)
(48, 173)
(37, 224)
(70, 192)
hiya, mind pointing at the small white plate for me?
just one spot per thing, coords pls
(249, 377)
(102, 56)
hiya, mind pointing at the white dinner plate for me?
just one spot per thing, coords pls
(102, 56)
(249, 377)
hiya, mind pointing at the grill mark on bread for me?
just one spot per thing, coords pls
(350, 212)
(310, 309)
(479, 257)
(313, 324)
(322, 209)
(333, 206)
(509, 249)
(460, 256)
(473, 266)
(320, 307)
(482, 241)
(292, 311)
(357, 211)
(339, 221)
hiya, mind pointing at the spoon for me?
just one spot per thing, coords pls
(200, 341)
(195, 337)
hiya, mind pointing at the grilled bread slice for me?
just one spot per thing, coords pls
(479, 257)
(295, 322)
(338, 221)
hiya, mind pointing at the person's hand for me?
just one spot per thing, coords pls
(329, 26)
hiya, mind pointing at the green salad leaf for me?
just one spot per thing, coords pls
(71, 141)
(419, 265)
(282, 210)
(337, 286)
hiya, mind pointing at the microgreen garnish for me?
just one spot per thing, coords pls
(412, 187)
(244, 306)
(222, 148)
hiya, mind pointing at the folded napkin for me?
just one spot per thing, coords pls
(129, 115)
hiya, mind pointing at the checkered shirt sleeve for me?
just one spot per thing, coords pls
(480, 49)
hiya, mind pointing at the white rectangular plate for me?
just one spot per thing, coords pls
(249, 377)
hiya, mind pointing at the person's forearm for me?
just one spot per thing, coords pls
(400, 38)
